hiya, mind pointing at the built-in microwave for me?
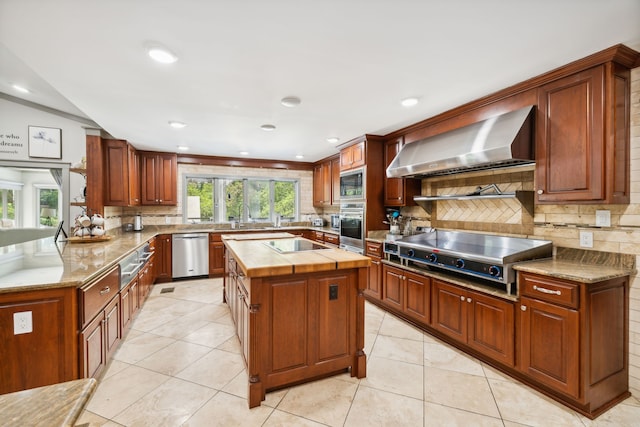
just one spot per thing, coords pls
(352, 184)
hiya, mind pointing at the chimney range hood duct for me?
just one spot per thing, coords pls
(499, 141)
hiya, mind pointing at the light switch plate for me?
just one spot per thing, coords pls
(586, 239)
(22, 323)
(603, 218)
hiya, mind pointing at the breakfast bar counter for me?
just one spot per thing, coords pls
(298, 307)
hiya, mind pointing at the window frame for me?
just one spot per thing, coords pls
(219, 207)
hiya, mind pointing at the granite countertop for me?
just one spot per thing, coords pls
(53, 405)
(256, 259)
(42, 263)
(573, 270)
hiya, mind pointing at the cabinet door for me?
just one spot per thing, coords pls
(92, 350)
(335, 181)
(167, 176)
(126, 311)
(163, 258)
(158, 178)
(216, 258)
(358, 154)
(549, 345)
(116, 191)
(374, 283)
(134, 176)
(570, 144)
(318, 185)
(326, 183)
(449, 311)
(393, 187)
(392, 282)
(491, 327)
(112, 328)
(418, 296)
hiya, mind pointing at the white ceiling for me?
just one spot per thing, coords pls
(350, 61)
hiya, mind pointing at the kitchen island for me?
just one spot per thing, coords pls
(298, 307)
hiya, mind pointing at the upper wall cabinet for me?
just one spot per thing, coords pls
(582, 142)
(398, 191)
(122, 176)
(159, 178)
(326, 183)
(353, 156)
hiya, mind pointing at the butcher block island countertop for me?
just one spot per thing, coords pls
(298, 307)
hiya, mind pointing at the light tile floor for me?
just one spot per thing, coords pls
(180, 364)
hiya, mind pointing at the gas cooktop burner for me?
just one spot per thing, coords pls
(483, 256)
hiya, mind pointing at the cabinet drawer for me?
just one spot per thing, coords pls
(215, 237)
(549, 289)
(374, 249)
(95, 296)
(332, 238)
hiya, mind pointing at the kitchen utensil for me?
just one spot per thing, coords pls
(97, 231)
(82, 232)
(83, 220)
(137, 223)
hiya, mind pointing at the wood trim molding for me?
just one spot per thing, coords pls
(196, 159)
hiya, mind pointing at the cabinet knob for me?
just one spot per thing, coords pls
(523, 307)
(160, 201)
(461, 297)
(540, 191)
(468, 299)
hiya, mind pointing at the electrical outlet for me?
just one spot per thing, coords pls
(603, 218)
(22, 323)
(586, 239)
(333, 292)
(167, 220)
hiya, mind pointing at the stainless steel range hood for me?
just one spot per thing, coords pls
(503, 140)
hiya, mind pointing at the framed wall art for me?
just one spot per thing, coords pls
(45, 142)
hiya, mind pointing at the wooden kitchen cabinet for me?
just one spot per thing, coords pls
(122, 174)
(573, 339)
(335, 181)
(129, 304)
(100, 318)
(374, 285)
(216, 255)
(163, 256)
(407, 292)
(49, 353)
(353, 156)
(582, 137)
(482, 322)
(159, 178)
(398, 191)
(331, 239)
(326, 185)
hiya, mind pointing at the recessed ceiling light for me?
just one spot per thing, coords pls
(183, 147)
(409, 102)
(21, 89)
(177, 125)
(290, 101)
(333, 139)
(299, 156)
(161, 54)
(268, 127)
(244, 153)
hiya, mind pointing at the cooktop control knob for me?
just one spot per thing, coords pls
(411, 252)
(433, 257)
(494, 270)
(460, 263)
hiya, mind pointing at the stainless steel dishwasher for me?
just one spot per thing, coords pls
(190, 255)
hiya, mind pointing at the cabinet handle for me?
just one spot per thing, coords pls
(461, 297)
(468, 299)
(546, 291)
(523, 307)
(540, 191)
(105, 290)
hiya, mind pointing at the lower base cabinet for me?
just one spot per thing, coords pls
(566, 339)
(35, 359)
(573, 339)
(482, 322)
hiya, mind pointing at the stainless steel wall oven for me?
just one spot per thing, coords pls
(352, 227)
